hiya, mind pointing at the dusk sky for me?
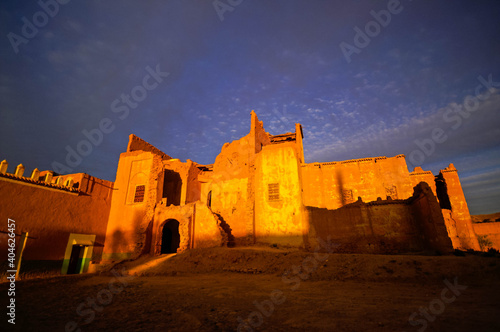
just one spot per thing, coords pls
(364, 78)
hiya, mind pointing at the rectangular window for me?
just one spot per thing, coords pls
(139, 193)
(273, 191)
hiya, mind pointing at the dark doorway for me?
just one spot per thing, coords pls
(75, 261)
(170, 238)
(172, 187)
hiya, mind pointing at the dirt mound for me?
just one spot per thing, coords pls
(219, 289)
(318, 266)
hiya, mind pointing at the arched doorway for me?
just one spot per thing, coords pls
(170, 238)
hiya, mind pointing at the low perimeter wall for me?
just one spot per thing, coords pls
(489, 231)
(398, 226)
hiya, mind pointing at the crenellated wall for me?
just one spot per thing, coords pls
(48, 179)
(51, 208)
(335, 184)
(419, 175)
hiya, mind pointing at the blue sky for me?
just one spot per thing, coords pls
(418, 78)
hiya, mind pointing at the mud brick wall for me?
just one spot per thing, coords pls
(51, 215)
(384, 226)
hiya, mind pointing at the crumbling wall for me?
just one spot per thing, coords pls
(382, 226)
(138, 144)
(376, 227)
(193, 193)
(229, 185)
(258, 136)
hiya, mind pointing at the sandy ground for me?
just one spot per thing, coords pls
(225, 289)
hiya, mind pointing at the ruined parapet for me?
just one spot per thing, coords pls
(258, 136)
(138, 144)
(282, 138)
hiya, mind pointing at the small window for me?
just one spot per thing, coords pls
(139, 193)
(274, 191)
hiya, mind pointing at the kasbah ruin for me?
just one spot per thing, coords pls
(259, 190)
